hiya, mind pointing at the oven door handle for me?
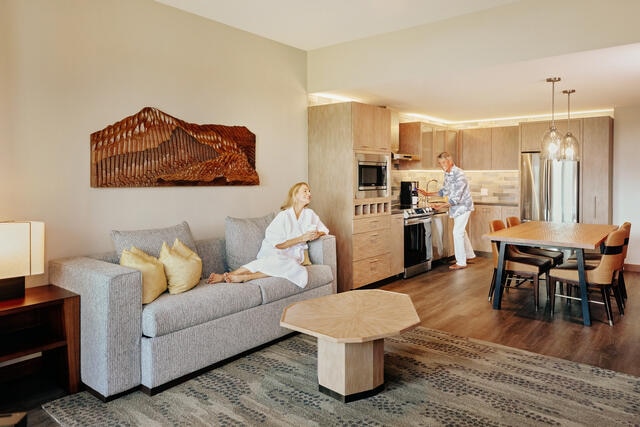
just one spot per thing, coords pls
(413, 221)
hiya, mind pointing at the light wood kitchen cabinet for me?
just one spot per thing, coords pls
(397, 244)
(425, 141)
(445, 140)
(371, 127)
(531, 133)
(395, 131)
(596, 166)
(505, 152)
(410, 140)
(479, 225)
(361, 226)
(371, 250)
(494, 148)
(476, 149)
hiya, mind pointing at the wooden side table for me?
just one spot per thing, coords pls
(350, 328)
(46, 320)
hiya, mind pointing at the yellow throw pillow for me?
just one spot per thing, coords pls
(154, 281)
(182, 266)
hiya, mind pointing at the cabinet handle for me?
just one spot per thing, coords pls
(595, 203)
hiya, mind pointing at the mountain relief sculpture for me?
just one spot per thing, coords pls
(152, 148)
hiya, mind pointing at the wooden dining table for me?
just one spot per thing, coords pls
(575, 236)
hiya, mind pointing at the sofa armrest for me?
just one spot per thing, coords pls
(323, 251)
(110, 320)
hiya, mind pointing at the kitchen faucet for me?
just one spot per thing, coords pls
(429, 182)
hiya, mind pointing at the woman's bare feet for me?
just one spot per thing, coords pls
(235, 278)
(217, 278)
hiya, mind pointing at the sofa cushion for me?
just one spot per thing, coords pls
(154, 281)
(201, 304)
(150, 241)
(276, 288)
(182, 266)
(243, 237)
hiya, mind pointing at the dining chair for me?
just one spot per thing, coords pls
(602, 276)
(555, 256)
(524, 267)
(593, 259)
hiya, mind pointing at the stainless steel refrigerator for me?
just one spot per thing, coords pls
(549, 189)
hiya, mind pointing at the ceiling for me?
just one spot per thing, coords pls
(603, 78)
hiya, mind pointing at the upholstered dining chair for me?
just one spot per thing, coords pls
(526, 267)
(593, 259)
(555, 256)
(602, 276)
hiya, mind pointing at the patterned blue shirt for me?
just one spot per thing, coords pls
(456, 186)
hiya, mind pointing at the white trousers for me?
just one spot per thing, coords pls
(461, 243)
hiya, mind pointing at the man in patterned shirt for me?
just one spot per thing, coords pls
(460, 205)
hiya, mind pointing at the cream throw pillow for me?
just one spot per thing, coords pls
(154, 281)
(182, 266)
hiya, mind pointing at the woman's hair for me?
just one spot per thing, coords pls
(291, 194)
(445, 155)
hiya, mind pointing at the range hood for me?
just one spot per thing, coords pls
(406, 157)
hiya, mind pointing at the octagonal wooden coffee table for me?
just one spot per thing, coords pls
(351, 327)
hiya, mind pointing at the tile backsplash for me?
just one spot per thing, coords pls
(500, 187)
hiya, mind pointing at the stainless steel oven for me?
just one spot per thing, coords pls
(371, 172)
(417, 241)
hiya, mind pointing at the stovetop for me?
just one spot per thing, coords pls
(415, 212)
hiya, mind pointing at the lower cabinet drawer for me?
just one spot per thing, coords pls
(366, 245)
(371, 270)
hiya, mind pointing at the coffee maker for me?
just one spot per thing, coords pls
(408, 194)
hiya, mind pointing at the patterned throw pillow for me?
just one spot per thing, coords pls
(154, 281)
(182, 266)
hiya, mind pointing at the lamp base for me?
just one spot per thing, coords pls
(11, 288)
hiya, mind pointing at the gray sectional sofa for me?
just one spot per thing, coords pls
(126, 345)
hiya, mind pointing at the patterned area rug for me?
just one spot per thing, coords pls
(431, 378)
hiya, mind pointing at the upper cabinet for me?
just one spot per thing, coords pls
(371, 127)
(424, 142)
(531, 133)
(476, 149)
(504, 148)
(490, 148)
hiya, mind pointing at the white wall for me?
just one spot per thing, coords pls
(626, 175)
(76, 66)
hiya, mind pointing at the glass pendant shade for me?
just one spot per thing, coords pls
(570, 144)
(551, 144)
(551, 147)
(570, 147)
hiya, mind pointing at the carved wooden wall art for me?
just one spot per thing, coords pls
(152, 148)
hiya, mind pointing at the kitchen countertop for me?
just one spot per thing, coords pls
(495, 204)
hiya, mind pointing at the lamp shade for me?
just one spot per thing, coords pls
(551, 144)
(21, 248)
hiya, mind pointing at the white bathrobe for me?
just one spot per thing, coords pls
(286, 262)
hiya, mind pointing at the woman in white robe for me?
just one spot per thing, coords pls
(282, 253)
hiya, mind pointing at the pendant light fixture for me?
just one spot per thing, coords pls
(552, 140)
(570, 145)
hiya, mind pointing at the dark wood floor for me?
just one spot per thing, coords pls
(456, 302)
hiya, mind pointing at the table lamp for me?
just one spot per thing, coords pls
(21, 254)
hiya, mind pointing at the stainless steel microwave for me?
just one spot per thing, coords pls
(371, 175)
